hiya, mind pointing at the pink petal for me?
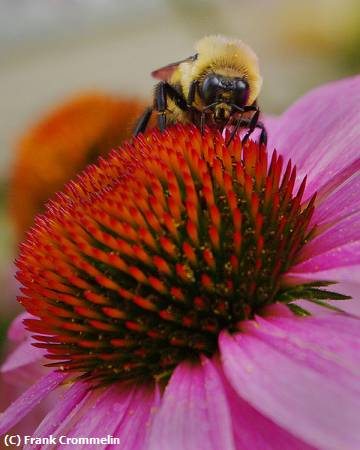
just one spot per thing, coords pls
(321, 131)
(194, 413)
(17, 332)
(296, 338)
(338, 221)
(254, 431)
(24, 354)
(341, 256)
(300, 374)
(32, 397)
(23, 367)
(325, 148)
(119, 410)
(346, 274)
(61, 414)
(251, 430)
(103, 417)
(339, 198)
(271, 122)
(135, 428)
(278, 310)
(344, 232)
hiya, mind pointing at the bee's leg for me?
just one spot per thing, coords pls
(250, 108)
(163, 91)
(202, 122)
(192, 91)
(172, 93)
(143, 122)
(239, 123)
(162, 121)
(238, 109)
(160, 103)
(175, 96)
(252, 125)
(263, 135)
(203, 115)
(246, 122)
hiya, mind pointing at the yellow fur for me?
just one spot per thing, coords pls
(229, 57)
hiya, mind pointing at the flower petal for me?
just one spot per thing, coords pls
(103, 417)
(338, 199)
(271, 122)
(119, 411)
(24, 354)
(337, 217)
(254, 431)
(32, 397)
(300, 373)
(337, 242)
(135, 427)
(297, 338)
(194, 413)
(321, 131)
(61, 414)
(17, 332)
(341, 256)
(344, 232)
(343, 274)
(251, 429)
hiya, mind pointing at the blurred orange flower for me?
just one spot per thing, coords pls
(62, 144)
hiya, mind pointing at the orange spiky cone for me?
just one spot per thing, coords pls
(61, 145)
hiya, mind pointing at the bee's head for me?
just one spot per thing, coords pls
(221, 89)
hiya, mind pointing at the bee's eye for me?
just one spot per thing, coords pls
(241, 92)
(209, 88)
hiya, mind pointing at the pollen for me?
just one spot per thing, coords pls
(146, 257)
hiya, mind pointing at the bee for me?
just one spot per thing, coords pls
(217, 87)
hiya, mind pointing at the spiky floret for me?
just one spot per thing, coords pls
(143, 260)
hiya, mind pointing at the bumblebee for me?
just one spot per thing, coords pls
(217, 87)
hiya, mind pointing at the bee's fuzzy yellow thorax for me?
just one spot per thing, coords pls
(222, 55)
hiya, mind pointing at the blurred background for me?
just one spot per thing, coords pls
(74, 74)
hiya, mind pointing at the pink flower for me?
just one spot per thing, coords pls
(169, 278)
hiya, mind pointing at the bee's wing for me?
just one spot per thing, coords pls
(164, 73)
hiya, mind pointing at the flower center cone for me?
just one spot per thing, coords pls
(147, 257)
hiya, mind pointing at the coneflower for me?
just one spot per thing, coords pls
(163, 286)
(61, 144)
